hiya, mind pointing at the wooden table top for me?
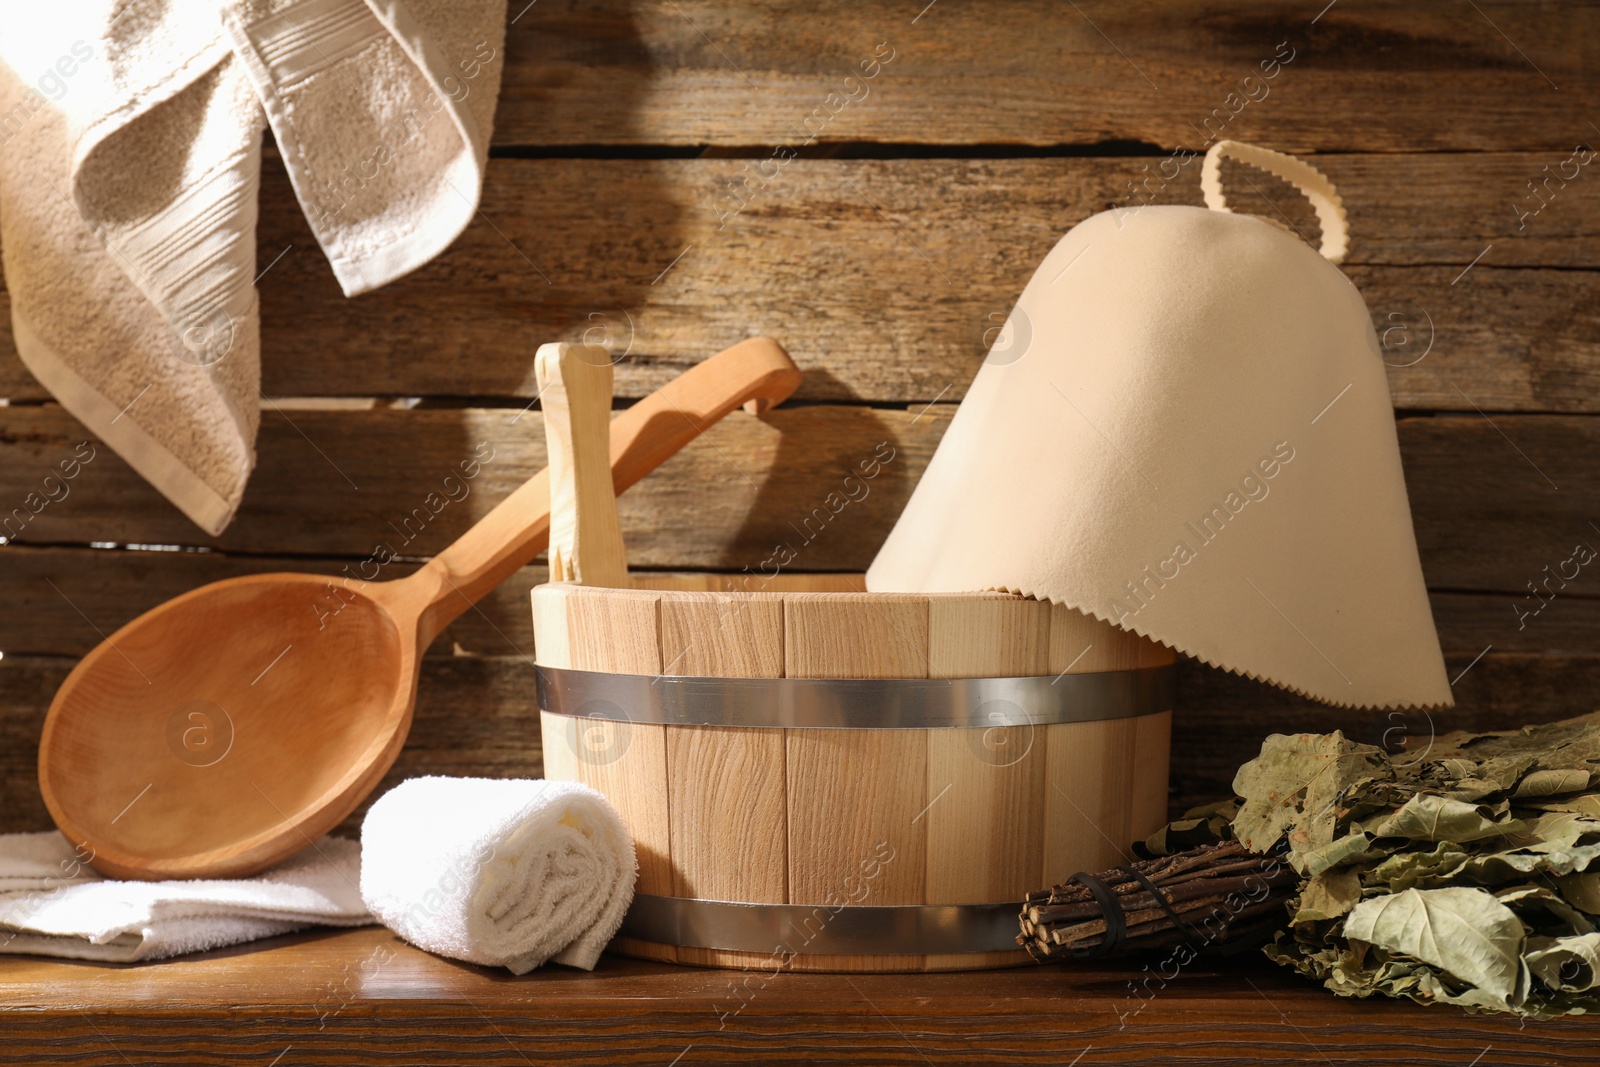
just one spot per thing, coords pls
(363, 996)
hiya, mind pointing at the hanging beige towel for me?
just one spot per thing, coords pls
(130, 154)
(1185, 429)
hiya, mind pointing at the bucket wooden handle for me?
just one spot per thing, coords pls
(755, 374)
(585, 535)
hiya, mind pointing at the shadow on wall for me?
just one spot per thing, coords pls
(564, 248)
(831, 494)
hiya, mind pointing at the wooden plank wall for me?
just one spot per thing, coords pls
(669, 177)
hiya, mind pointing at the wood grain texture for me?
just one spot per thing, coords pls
(363, 996)
(729, 831)
(550, 625)
(1089, 792)
(1492, 531)
(1515, 333)
(1108, 779)
(1097, 788)
(985, 785)
(790, 461)
(729, 827)
(122, 584)
(755, 584)
(722, 635)
(474, 717)
(855, 635)
(856, 797)
(474, 714)
(985, 822)
(878, 778)
(1380, 76)
(987, 635)
(808, 816)
(854, 833)
(617, 630)
(559, 748)
(1082, 644)
(575, 399)
(729, 795)
(614, 630)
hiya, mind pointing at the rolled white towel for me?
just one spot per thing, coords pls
(505, 872)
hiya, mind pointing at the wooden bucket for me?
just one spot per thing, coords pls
(825, 779)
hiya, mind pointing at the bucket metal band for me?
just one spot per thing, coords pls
(856, 703)
(804, 929)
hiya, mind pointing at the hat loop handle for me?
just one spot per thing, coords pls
(1302, 175)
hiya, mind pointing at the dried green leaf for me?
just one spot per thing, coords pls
(1296, 782)
(1429, 817)
(1461, 930)
(1554, 858)
(1410, 978)
(1568, 743)
(1458, 768)
(1419, 870)
(1584, 804)
(1568, 964)
(1554, 782)
(1472, 790)
(1559, 828)
(1226, 809)
(1541, 908)
(1328, 895)
(1186, 833)
(1345, 850)
(1582, 891)
(1506, 771)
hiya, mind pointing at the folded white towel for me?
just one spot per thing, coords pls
(130, 154)
(504, 872)
(53, 904)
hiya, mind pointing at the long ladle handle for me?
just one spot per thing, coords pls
(755, 374)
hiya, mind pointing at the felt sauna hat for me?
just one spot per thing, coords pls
(1184, 428)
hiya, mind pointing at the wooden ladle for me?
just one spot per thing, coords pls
(229, 728)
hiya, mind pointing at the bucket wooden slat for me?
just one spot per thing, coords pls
(560, 761)
(1089, 766)
(1080, 644)
(728, 798)
(985, 819)
(552, 646)
(620, 632)
(729, 824)
(721, 635)
(1088, 770)
(550, 623)
(853, 792)
(859, 635)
